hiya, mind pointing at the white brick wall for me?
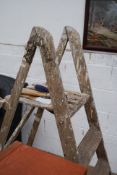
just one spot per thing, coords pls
(15, 28)
(102, 70)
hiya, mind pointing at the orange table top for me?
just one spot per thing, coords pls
(20, 159)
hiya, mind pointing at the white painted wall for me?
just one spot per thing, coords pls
(16, 21)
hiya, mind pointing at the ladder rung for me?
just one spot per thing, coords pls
(101, 168)
(88, 145)
(76, 101)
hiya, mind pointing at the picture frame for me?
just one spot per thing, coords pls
(100, 26)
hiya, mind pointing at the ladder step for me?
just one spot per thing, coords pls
(101, 168)
(76, 101)
(88, 145)
(31, 101)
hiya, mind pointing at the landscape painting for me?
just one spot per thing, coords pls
(100, 27)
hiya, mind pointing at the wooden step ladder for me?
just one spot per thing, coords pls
(64, 104)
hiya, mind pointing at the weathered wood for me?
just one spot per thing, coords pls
(20, 80)
(82, 74)
(13, 102)
(20, 126)
(2, 102)
(88, 145)
(84, 82)
(43, 38)
(91, 171)
(35, 126)
(61, 46)
(63, 105)
(101, 168)
(59, 102)
(75, 101)
(101, 152)
(35, 103)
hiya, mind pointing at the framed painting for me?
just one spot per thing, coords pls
(100, 26)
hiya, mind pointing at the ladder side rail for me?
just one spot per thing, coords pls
(34, 40)
(61, 46)
(59, 101)
(85, 86)
(82, 74)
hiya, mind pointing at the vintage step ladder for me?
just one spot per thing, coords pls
(64, 104)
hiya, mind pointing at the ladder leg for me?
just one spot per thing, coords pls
(16, 91)
(61, 110)
(85, 87)
(20, 126)
(40, 37)
(35, 126)
(13, 102)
